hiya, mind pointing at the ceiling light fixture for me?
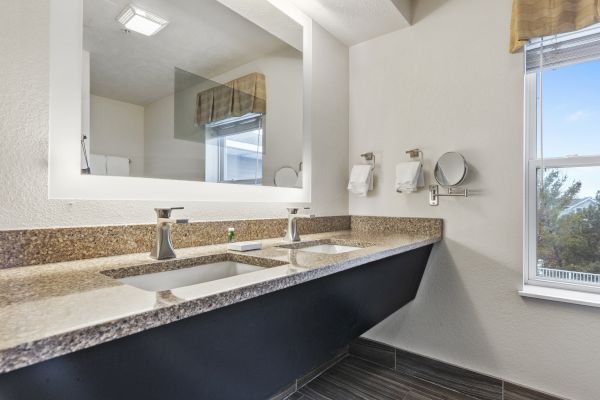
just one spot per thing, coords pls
(138, 20)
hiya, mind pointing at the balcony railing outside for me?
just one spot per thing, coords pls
(571, 276)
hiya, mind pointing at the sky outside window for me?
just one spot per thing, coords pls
(572, 119)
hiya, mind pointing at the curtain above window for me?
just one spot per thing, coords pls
(239, 97)
(538, 18)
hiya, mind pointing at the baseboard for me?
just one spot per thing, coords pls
(309, 376)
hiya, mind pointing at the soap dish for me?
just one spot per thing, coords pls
(244, 246)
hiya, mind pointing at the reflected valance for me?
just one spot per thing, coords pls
(236, 98)
(538, 18)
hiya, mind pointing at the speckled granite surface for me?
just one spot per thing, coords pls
(41, 246)
(54, 309)
(422, 226)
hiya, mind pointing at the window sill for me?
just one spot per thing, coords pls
(562, 295)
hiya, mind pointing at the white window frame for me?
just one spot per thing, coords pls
(531, 164)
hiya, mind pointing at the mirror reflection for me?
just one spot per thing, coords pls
(451, 169)
(189, 90)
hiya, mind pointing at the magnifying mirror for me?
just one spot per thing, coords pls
(286, 177)
(451, 169)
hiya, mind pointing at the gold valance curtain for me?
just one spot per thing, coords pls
(241, 96)
(537, 18)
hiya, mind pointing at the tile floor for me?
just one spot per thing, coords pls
(356, 379)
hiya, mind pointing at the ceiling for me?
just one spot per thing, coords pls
(354, 21)
(203, 37)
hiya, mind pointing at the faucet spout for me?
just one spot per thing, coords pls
(163, 245)
(292, 235)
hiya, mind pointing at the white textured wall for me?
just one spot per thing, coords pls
(24, 203)
(117, 129)
(448, 83)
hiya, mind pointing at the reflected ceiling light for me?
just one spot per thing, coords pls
(138, 20)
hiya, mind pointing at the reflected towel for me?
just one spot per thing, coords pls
(409, 176)
(117, 166)
(361, 179)
(98, 164)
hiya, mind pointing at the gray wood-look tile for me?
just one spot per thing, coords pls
(416, 396)
(461, 380)
(419, 378)
(297, 396)
(353, 379)
(516, 392)
(376, 352)
(409, 383)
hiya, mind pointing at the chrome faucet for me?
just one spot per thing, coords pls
(292, 235)
(163, 246)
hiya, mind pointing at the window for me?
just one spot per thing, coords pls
(562, 206)
(234, 150)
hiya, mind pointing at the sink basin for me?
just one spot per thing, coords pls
(166, 280)
(327, 246)
(330, 249)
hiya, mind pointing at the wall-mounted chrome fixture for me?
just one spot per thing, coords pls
(450, 171)
(415, 153)
(369, 157)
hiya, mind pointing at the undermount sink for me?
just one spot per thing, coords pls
(166, 280)
(330, 249)
(326, 246)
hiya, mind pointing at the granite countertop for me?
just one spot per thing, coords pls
(54, 309)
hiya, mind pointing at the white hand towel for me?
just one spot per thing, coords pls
(409, 176)
(361, 179)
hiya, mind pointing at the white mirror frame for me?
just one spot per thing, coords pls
(64, 155)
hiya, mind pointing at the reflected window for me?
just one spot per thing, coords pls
(234, 150)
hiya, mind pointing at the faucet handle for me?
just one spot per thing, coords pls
(165, 212)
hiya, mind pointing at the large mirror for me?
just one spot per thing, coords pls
(189, 90)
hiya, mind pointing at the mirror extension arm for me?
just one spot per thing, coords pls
(434, 194)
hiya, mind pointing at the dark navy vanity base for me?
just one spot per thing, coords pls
(249, 350)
